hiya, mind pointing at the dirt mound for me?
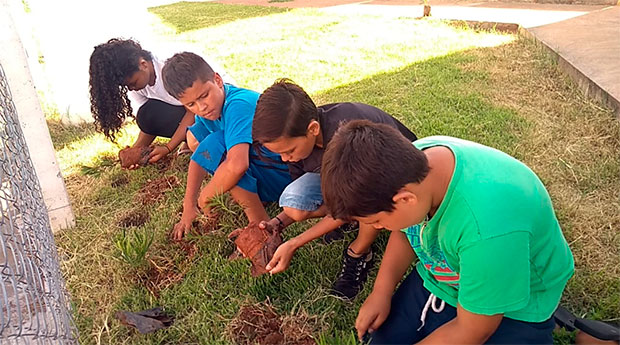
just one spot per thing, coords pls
(204, 225)
(134, 218)
(134, 155)
(260, 324)
(257, 244)
(165, 163)
(154, 190)
(164, 270)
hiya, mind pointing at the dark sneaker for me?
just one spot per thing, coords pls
(349, 227)
(338, 233)
(332, 236)
(353, 274)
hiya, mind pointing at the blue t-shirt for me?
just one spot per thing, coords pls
(234, 127)
(237, 115)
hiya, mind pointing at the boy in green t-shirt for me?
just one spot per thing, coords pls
(492, 258)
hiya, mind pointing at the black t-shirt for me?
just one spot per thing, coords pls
(331, 116)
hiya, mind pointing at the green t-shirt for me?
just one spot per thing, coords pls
(494, 245)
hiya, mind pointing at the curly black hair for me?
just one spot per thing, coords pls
(111, 64)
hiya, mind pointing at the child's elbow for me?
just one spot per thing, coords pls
(239, 168)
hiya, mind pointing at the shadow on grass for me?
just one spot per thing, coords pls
(206, 14)
(441, 96)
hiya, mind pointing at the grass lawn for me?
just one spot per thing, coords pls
(437, 78)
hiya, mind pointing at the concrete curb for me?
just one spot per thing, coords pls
(588, 86)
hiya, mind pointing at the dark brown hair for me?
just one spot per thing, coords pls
(111, 63)
(365, 165)
(283, 110)
(182, 70)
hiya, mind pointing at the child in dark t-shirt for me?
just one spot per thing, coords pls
(288, 122)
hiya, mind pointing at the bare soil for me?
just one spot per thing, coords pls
(154, 190)
(164, 272)
(204, 225)
(119, 180)
(165, 163)
(260, 324)
(134, 218)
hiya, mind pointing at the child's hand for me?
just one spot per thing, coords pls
(282, 257)
(373, 312)
(158, 153)
(271, 228)
(185, 224)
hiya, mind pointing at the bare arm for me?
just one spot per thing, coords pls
(195, 176)
(396, 260)
(274, 223)
(161, 151)
(319, 229)
(465, 328)
(227, 174)
(179, 134)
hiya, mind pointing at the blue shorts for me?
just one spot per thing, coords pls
(403, 322)
(268, 180)
(304, 193)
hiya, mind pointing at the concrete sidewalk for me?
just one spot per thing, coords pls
(585, 39)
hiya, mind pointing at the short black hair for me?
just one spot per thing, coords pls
(365, 165)
(182, 70)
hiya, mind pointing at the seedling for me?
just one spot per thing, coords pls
(134, 246)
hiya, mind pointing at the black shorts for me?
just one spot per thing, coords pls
(159, 118)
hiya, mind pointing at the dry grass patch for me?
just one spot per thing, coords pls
(574, 147)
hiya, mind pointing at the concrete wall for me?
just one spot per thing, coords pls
(65, 33)
(14, 60)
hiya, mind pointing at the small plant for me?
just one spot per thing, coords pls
(133, 247)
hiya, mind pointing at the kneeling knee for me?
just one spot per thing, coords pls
(295, 214)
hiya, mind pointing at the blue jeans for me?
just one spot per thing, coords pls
(401, 326)
(304, 193)
(267, 179)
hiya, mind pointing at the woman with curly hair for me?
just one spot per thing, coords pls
(125, 82)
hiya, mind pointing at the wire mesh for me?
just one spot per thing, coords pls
(33, 301)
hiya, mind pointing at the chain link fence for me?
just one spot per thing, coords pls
(34, 305)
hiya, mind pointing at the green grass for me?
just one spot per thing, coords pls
(436, 78)
(208, 14)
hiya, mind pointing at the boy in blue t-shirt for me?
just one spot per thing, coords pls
(221, 139)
